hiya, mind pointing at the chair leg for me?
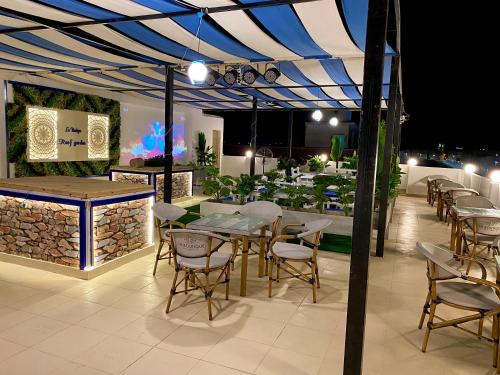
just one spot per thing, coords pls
(425, 310)
(472, 255)
(160, 246)
(187, 275)
(278, 268)
(228, 273)
(270, 286)
(317, 276)
(172, 291)
(480, 328)
(208, 296)
(313, 280)
(429, 325)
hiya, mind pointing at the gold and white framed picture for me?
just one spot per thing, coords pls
(42, 134)
(98, 137)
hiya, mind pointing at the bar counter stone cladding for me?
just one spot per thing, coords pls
(40, 230)
(120, 228)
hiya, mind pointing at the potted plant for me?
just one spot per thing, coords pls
(336, 150)
(297, 195)
(205, 157)
(245, 184)
(316, 164)
(286, 164)
(270, 187)
(217, 186)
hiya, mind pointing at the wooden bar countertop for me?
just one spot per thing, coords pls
(75, 187)
(124, 168)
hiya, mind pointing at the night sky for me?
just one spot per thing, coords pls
(445, 60)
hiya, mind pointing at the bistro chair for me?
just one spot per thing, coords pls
(468, 293)
(451, 196)
(435, 189)
(479, 232)
(285, 254)
(475, 201)
(440, 197)
(166, 216)
(269, 212)
(430, 181)
(196, 253)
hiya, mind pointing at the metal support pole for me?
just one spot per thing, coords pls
(290, 133)
(398, 124)
(388, 148)
(253, 130)
(363, 206)
(169, 126)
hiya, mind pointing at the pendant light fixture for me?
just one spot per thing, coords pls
(317, 114)
(197, 71)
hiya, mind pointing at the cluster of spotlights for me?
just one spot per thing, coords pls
(199, 73)
(317, 116)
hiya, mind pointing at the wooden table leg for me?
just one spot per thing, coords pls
(453, 238)
(458, 242)
(244, 267)
(262, 251)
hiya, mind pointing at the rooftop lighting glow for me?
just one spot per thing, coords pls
(249, 153)
(495, 176)
(412, 162)
(470, 168)
(317, 115)
(334, 121)
(323, 157)
(197, 72)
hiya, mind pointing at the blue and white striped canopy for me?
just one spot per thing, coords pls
(318, 46)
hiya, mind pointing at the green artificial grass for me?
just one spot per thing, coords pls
(330, 242)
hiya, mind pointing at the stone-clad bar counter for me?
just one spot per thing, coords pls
(182, 179)
(75, 222)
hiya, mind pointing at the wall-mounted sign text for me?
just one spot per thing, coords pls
(65, 135)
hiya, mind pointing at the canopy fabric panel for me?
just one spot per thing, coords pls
(317, 46)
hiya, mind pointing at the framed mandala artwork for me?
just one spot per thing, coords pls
(42, 134)
(98, 137)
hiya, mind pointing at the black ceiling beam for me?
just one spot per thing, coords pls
(146, 17)
(264, 101)
(278, 109)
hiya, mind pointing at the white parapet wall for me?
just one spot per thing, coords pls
(415, 180)
(236, 165)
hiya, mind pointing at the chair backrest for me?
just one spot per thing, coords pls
(455, 194)
(447, 183)
(438, 257)
(166, 211)
(474, 201)
(436, 177)
(194, 243)
(489, 226)
(314, 229)
(435, 183)
(264, 210)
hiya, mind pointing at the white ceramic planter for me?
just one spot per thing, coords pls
(341, 224)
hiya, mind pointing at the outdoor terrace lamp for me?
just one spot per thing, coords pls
(495, 176)
(231, 76)
(470, 168)
(271, 75)
(412, 162)
(197, 72)
(212, 77)
(317, 115)
(250, 76)
(334, 121)
(249, 153)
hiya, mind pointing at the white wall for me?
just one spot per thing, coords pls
(197, 122)
(236, 165)
(416, 177)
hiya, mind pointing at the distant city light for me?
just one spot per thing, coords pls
(412, 162)
(495, 176)
(249, 153)
(324, 157)
(470, 168)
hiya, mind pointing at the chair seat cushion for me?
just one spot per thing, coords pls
(217, 260)
(292, 251)
(469, 295)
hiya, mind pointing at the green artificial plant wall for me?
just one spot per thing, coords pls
(17, 125)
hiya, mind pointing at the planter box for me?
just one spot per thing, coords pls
(341, 224)
(390, 209)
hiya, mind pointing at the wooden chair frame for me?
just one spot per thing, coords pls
(195, 279)
(475, 243)
(293, 272)
(163, 239)
(479, 313)
(450, 197)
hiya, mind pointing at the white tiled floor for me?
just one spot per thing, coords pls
(54, 325)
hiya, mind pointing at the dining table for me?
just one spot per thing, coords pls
(242, 228)
(458, 214)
